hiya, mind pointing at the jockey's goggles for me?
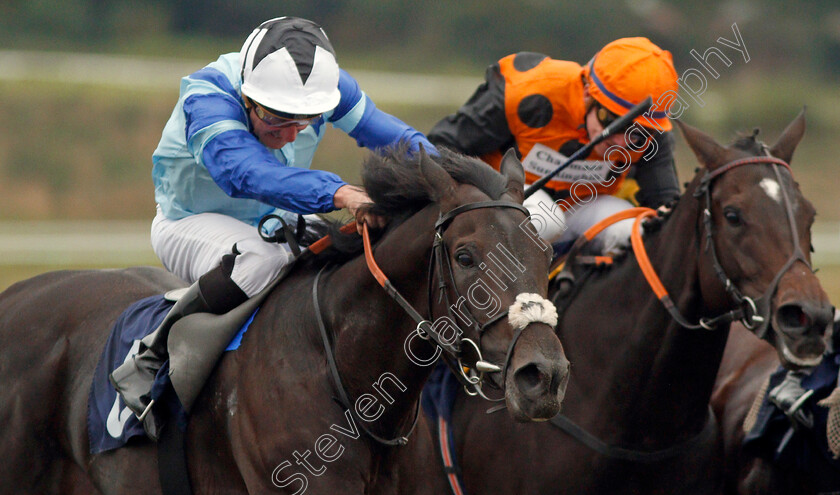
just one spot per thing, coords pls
(606, 117)
(280, 120)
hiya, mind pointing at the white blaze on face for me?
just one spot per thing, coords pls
(772, 188)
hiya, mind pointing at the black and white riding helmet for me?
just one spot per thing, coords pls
(289, 67)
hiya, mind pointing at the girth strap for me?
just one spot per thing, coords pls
(343, 399)
(172, 460)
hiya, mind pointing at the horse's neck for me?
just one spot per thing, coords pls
(684, 361)
(654, 375)
(371, 328)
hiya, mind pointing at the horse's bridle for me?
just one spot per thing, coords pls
(754, 314)
(424, 328)
(473, 381)
(747, 309)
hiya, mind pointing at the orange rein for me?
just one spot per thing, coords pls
(377, 273)
(323, 243)
(642, 257)
(636, 240)
(596, 229)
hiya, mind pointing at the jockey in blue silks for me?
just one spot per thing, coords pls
(237, 147)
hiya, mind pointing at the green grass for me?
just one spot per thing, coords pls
(80, 152)
(72, 152)
(829, 275)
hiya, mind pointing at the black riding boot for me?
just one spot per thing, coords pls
(214, 293)
(134, 378)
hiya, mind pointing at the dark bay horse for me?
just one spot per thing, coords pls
(641, 382)
(267, 420)
(747, 364)
(745, 369)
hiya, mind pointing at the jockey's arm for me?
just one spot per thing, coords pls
(480, 125)
(657, 176)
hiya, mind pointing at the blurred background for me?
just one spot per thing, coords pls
(87, 85)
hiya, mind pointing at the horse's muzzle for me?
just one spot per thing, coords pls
(801, 326)
(538, 375)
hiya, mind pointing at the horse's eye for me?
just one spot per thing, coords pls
(464, 259)
(732, 215)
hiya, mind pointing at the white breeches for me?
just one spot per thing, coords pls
(192, 246)
(559, 227)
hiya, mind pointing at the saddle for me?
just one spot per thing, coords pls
(110, 423)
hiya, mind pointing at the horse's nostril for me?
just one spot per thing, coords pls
(792, 317)
(529, 378)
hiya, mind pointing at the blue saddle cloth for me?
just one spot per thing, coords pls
(438, 398)
(110, 423)
(775, 438)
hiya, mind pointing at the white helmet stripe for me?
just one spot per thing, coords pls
(247, 54)
(288, 65)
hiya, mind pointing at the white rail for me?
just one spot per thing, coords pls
(161, 74)
(36, 243)
(122, 243)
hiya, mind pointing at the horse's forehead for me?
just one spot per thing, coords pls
(756, 182)
(744, 178)
(495, 222)
(468, 193)
(773, 189)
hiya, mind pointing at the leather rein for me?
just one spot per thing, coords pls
(747, 310)
(755, 314)
(424, 328)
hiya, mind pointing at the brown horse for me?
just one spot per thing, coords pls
(747, 364)
(742, 379)
(269, 405)
(637, 401)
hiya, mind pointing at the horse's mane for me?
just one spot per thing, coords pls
(398, 188)
(394, 181)
(749, 143)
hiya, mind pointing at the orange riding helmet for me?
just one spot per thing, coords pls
(627, 71)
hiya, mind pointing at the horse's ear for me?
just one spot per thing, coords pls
(707, 150)
(512, 169)
(441, 183)
(790, 138)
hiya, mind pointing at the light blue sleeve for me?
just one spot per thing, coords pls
(218, 136)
